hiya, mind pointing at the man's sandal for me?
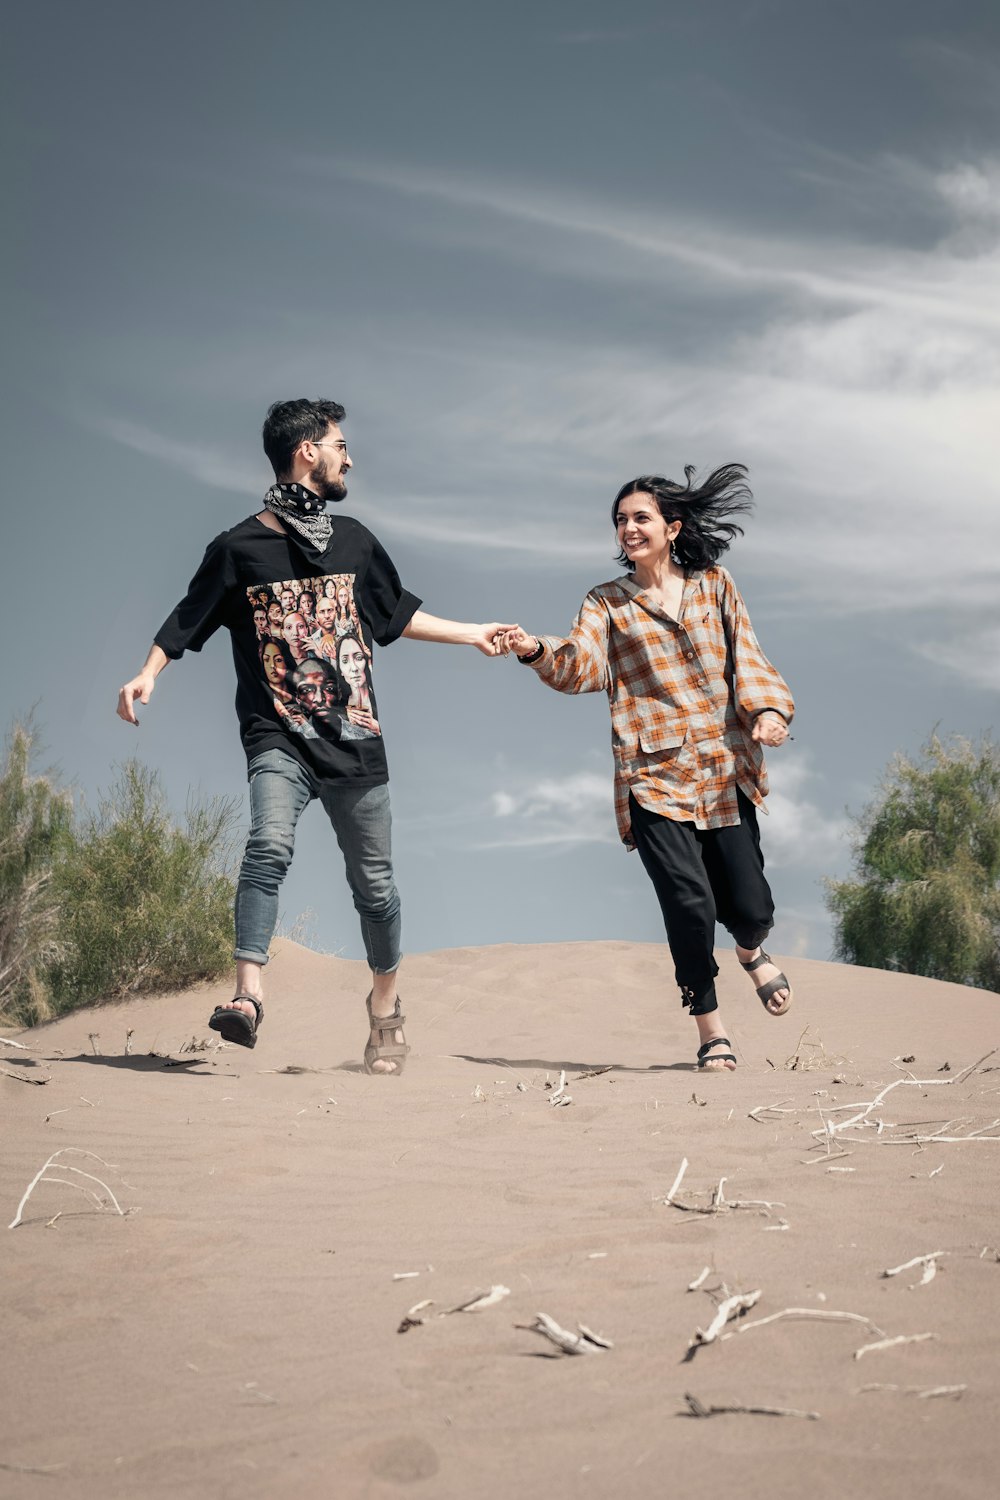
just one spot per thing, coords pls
(235, 1025)
(765, 991)
(724, 1057)
(386, 1048)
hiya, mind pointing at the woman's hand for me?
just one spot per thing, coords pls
(770, 729)
(517, 640)
(363, 719)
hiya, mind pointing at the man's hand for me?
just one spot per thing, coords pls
(517, 640)
(139, 688)
(485, 638)
(142, 686)
(770, 729)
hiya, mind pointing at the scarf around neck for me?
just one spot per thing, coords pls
(298, 508)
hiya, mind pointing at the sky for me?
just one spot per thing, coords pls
(534, 250)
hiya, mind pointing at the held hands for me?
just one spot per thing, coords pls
(517, 640)
(770, 729)
(489, 638)
(139, 688)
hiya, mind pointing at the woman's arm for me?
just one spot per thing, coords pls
(758, 687)
(577, 663)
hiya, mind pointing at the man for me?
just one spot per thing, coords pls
(325, 611)
(293, 537)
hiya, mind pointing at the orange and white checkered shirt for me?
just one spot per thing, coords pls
(684, 694)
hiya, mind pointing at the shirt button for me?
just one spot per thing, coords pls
(689, 655)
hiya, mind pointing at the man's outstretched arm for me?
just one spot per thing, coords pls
(141, 686)
(425, 627)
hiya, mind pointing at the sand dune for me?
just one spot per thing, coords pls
(234, 1334)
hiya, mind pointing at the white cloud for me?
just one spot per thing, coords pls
(552, 225)
(796, 833)
(573, 809)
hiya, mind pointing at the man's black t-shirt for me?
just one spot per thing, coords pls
(302, 641)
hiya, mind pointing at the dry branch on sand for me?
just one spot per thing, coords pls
(719, 1202)
(697, 1408)
(903, 1338)
(412, 1319)
(22, 1078)
(929, 1263)
(55, 1164)
(584, 1342)
(5, 1041)
(922, 1392)
(861, 1121)
(812, 1313)
(733, 1307)
(480, 1301)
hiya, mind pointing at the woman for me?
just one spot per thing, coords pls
(693, 698)
(355, 684)
(345, 618)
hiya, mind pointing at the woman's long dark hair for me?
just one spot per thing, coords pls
(704, 510)
(343, 686)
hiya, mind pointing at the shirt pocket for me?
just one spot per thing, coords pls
(660, 737)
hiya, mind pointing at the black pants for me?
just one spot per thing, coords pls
(702, 876)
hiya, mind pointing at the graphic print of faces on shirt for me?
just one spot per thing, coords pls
(315, 663)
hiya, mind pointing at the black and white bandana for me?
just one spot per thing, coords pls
(299, 508)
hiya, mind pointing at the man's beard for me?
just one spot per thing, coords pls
(322, 485)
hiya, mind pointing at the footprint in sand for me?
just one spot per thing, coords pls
(403, 1460)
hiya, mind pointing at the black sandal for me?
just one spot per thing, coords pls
(765, 991)
(235, 1025)
(704, 1059)
(386, 1048)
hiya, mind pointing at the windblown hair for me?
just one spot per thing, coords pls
(704, 510)
(289, 423)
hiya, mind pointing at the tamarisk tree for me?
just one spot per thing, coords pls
(925, 897)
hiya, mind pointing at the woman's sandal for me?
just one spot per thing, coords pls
(235, 1025)
(386, 1049)
(765, 991)
(723, 1057)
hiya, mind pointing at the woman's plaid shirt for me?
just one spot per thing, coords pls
(684, 694)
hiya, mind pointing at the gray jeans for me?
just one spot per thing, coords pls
(280, 788)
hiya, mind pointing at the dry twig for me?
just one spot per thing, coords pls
(810, 1312)
(697, 1408)
(54, 1163)
(480, 1301)
(903, 1338)
(584, 1342)
(22, 1079)
(411, 1319)
(732, 1307)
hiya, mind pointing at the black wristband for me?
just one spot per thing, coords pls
(532, 655)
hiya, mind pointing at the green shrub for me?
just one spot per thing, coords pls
(114, 903)
(926, 893)
(35, 824)
(146, 905)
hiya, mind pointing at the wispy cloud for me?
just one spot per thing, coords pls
(572, 809)
(211, 466)
(827, 270)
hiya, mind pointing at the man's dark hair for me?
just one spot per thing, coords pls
(289, 423)
(704, 510)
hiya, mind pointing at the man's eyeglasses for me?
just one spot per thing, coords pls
(341, 446)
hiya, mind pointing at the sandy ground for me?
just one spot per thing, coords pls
(235, 1333)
